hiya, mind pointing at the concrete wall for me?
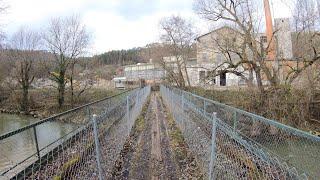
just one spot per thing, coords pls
(208, 45)
(209, 54)
(283, 36)
(147, 71)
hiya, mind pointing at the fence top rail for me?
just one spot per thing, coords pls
(51, 118)
(257, 117)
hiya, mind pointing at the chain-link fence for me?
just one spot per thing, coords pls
(65, 146)
(233, 144)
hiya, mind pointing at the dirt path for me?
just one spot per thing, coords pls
(156, 148)
(157, 161)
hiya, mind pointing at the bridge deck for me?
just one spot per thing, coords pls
(173, 134)
(156, 148)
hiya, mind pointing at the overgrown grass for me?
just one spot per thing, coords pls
(287, 105)
(140, 123)
(66, 166)
(45, 101)
(180, 148)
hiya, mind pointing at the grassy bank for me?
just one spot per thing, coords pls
(288, 106)
(43, 102)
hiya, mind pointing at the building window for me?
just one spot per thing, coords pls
(205, 57)
(223, 79)
(218, 58)
(211, 76)
(202, 76)
(205, 45)
(263, 39)
(242, 81)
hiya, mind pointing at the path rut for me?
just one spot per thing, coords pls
(150, 151)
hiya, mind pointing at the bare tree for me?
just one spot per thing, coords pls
(305, 15)
(242, 16)
(232, 53)
(306, 39)
(3, 9)
(25, 45)
(80, 83)
(66, 38)
(178, 35)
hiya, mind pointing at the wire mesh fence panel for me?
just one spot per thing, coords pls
(112, 139)
(191, 124)
(233, 144)
(67, 159)
(65, 146)
(17, 149)
(49, 134)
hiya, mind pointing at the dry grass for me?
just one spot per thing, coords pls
(44, 100)
(287, 105)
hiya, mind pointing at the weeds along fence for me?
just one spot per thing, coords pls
(84, 150)
(230, 143)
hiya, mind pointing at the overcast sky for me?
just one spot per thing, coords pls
(114, 24)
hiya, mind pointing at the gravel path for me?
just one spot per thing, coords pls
(152, 151)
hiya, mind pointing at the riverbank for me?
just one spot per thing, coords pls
(34, 114)
(11, 122)
(43, 102)
(292, 107)
(20, 146)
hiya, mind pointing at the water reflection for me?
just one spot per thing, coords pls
(20, 146)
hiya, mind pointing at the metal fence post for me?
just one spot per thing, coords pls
(128, 112)
(96, 140)
(183, 125)
(171, 99)
(205, 107)
(235, 121)
(36, 139)
(139, 98)
(88, 112)
(213, 146)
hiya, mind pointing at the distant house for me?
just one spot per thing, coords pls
(120, 82)
(191, 66)
(209, 54)
(208, 44)
(147, 71)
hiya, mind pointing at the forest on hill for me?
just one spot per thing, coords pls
(154, 51)
(121, 57)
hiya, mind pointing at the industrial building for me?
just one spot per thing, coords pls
(209, 56)
(147, 71)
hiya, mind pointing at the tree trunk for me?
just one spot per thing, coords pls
(61, 89)
(181, 78)
(72, 92)
(250, 83)
(259, 81)
(187, 75)
(25, 100)
(24, 82)
(71, 85)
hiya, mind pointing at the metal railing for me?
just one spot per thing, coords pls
(43, 151)
(230, 143)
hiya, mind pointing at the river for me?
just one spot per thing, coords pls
(22, 145)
